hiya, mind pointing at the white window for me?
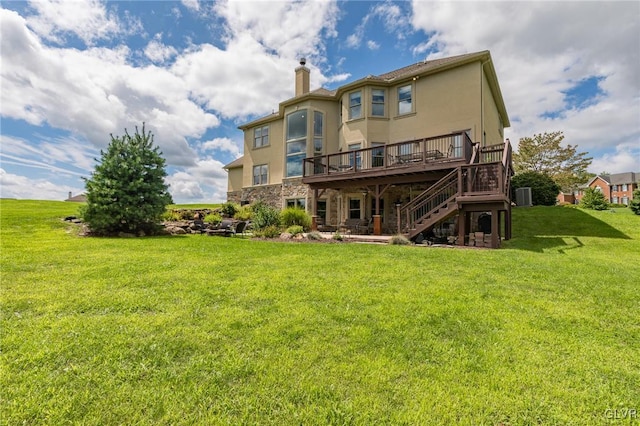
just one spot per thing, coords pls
(624, 187)
(355, 105)
(625, 201)
(261, 174)
(377, 102)
(615, 188)
(260, 136)
(615, 200)
(296, 142)
(405, 104)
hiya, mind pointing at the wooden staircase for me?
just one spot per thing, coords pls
(485, 183)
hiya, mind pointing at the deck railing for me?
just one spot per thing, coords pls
(455, 146)
(434, 198)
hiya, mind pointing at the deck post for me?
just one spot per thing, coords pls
(377, 224)
(495, 228)
(462, 226)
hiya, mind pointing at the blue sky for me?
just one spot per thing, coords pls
(73, 72)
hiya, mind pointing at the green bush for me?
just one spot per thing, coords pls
(594, 199)
(171, 216)
(399, 240)
(634, 204)
(271, 231)
(295, 230)
(295, 216)
(244, 213)
(544, 191)
(617, 206)
(229, 209)
(127, 192)
(264, 216)
(337, 236)
(213, 218)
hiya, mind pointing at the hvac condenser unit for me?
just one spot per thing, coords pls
(523, 197)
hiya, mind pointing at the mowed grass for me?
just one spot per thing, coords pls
(210, 330)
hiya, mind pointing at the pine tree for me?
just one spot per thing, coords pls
(127, 192)
(594, 199)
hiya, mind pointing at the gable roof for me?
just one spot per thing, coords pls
(238, 162)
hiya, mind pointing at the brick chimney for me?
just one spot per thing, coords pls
(302, 78)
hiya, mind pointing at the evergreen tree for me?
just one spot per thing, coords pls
(634, 205)
(127, 192)
(594, 199)
(544, 191)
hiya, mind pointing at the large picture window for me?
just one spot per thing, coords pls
(296, 142)
(405, 105)
(261, 174)
(261, 136)
(355, 105)
(318, 119)
(377, 102)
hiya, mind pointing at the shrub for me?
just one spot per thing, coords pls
(295, 230)
(264, 215)
(229, 209)
(315, 235)
(634, 204)
(268, 232)
(171, 216)
(295, 216)
(127, 192)
(594, 199)
(399, 240)
(337, 236)
(244, 213)
(213, 218)
(544, 191)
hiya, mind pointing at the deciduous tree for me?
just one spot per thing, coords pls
(127, 192)
(543, 153)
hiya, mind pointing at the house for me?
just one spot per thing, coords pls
(617, 188)
(80, 198)
(409, 151)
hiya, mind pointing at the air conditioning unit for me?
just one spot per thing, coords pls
(523, 197)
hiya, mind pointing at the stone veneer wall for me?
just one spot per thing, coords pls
(273, 195)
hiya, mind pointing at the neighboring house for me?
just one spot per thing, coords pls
(80, 198)
(617, 188)
(372, 150)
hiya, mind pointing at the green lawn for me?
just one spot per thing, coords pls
(208, 330)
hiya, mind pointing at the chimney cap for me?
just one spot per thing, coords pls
(303, 61)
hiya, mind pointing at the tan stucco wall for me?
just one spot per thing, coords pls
(234, 180)
(450, 101)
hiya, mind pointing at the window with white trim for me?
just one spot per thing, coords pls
(377, 102)
(296, 142)
(405, 99)
(355, 105)
(261, 174)
(260, 136)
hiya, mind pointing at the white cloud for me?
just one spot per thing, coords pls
(16, 186)
(95, 92)
(158, 52)
(88, 19)
(222, 144)
(372, 45)
(193, 5)
(541, 50)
